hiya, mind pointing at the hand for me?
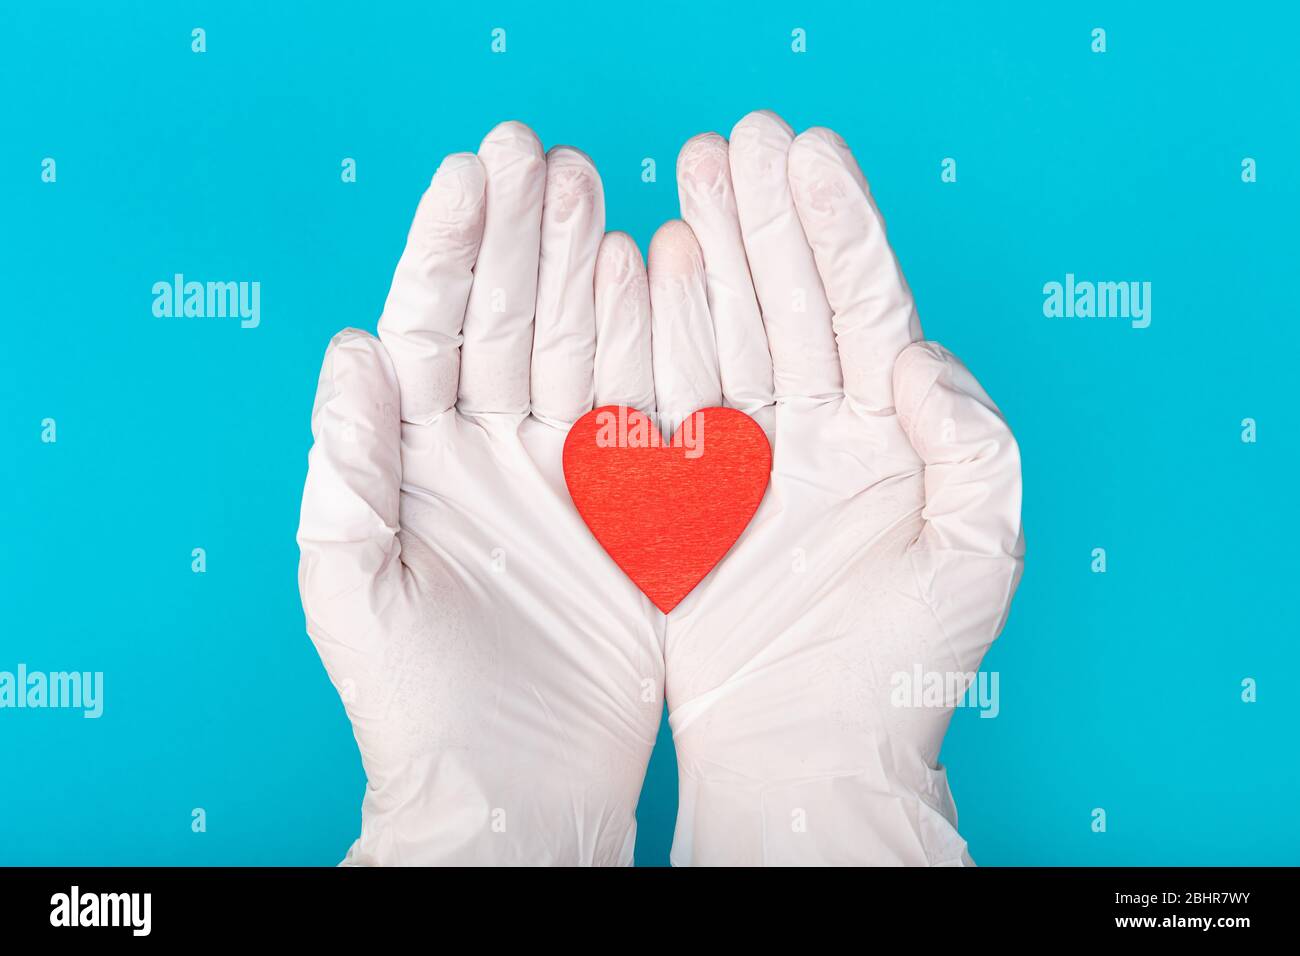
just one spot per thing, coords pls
(889, 538)
(502, 676)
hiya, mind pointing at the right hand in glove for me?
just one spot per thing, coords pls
(889, 542)
(503, 677)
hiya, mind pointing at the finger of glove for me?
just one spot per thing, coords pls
(564, 337)
(795, 312)
(874, 315)
(708, 204)
(685, 356)
(972, 461)
(624, 372)
(425, 310)
(347, 533)
(498, 336)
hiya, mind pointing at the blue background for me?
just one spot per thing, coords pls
(1118, 690)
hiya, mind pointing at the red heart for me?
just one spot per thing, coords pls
(666, 512)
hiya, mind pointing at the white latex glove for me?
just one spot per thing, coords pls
(502, 676)
(890, 535)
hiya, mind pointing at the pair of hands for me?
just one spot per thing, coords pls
(504, 679)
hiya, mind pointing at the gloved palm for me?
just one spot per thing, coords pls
(889, 539)
(503, 679)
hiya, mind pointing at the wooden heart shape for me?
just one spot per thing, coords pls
(666, 511)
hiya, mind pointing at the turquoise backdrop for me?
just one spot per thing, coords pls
(1121, 691)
